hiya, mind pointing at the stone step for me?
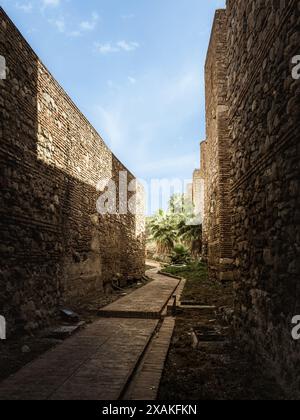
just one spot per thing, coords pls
(145, 303)
(104, 313)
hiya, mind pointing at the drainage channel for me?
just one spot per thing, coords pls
(133, 374)
(144, 381)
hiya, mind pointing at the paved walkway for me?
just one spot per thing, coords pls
(145, 384)
(99, 362)
(147, 302)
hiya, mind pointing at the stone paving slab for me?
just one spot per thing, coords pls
(147, 302)
(96, 364)
(145, 384)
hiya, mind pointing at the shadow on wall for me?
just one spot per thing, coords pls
(54, 247)
(265, 115)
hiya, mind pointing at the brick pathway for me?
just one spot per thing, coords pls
(94, 364)
(147, 302)
(98, 362)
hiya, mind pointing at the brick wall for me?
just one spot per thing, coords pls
(263, 36)
(217, 211)
(55, 248)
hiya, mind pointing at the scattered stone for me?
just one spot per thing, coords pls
(65, 331)
(69, 315)
(206, 334)
(25, 349)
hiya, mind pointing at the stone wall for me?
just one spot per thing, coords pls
(203, 162)
(198, 185)
(264, 99)
(55, 248)
(198, 194)
(217, 211)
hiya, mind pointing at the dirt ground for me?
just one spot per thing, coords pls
(215, 370)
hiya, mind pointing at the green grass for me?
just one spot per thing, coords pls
(199, 288)
(196, 277)
(192, 272)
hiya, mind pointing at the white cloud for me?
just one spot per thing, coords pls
(132, 80)
(128, 17)
(74, 34)
(112, 85)
(119, 46)
(51, 3)
(105, 48)
(25, 7)
(89, 25)
(85, 26)
(59, 24)
(128, 46)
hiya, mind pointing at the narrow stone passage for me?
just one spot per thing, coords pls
(99, 362)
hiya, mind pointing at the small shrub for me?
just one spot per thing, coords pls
(180, 255)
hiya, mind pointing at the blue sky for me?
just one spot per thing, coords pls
(134, 68)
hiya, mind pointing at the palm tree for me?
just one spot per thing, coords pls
(191, 236)
(179, 204)
(163, 232)
(175, 227)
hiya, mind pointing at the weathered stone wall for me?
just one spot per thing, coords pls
(203, 163)
(198, 194)
(263, 36)
(55, 247)
(217, 211)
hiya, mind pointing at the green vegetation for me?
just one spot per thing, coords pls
(198, 288)
(180, 255)
(176, 233)
(195, 274)
(162, 228)
(193, 271)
